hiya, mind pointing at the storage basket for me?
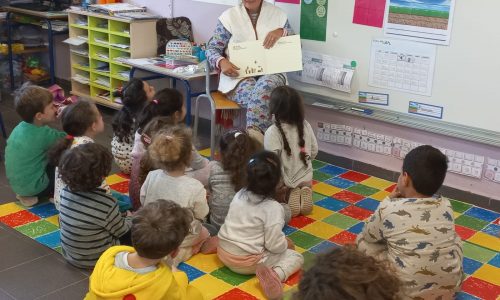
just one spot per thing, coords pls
(178, 47)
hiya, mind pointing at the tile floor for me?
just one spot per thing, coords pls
(30, 269)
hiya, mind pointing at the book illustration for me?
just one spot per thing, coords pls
(254, 69)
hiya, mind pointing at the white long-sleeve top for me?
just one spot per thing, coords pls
(293, 169)
(253, 225)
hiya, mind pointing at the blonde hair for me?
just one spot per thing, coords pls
(171, 148)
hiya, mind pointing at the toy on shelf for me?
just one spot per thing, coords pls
(33, 71)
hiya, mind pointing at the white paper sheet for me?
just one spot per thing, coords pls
(427, 21)
(325, 70)
(75, 41)
(402, 65)
(254, 60)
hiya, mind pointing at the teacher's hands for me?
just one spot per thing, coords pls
(272, 37)
(228, 69)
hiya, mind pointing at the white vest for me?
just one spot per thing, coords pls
(237, 21)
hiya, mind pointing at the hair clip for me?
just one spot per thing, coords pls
(69, 137)
(146, 139)
(237, 133)
(155, 101)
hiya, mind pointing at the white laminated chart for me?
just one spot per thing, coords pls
(325, 70)
(402, 65)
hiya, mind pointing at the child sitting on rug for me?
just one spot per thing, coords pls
(89, 219)
(134, 95)
(415, 231)
(122, 272)
(170, 151)
(166, 103)
(251, 240)
(292, 139)
(348, 274)
(82, 122)
(26, 164)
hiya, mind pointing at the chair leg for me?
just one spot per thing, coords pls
(2, 126)
(196, 116)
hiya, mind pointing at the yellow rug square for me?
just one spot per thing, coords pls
(485, 240)
(325, 189)
(380, 195)
(252, 287)
(54, 220)
(377, 183)
(10, 208)
(210, 286)
(488, 273)
(205, 262)
(319, 213)
(113, 179)
(322, 230)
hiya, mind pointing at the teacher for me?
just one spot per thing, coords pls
(249, 21)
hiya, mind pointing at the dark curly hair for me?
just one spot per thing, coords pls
(165, 103)
(133, 98)
(76, 119)
(84, 167)
(348, 274)
(287, 107)
(159, 227)
(263, 173)
(235, 151)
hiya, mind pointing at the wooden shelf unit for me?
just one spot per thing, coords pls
(103, 33)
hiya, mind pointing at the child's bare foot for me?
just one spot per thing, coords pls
(27, 201)
(270, 282)
(210, 245)
(306, 204)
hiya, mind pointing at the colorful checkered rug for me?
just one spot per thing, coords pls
(343, 199)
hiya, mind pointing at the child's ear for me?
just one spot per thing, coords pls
(38, 116)
(406, 180)
(174, 253)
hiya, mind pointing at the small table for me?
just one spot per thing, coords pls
(148, 65)
(47, 17)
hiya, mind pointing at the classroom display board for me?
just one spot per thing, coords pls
(455, 79)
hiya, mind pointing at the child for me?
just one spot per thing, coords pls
(135, 94)
(166, 103)
(26, 163)
(292, 138)
(82, 121)
(228, 175)
(89, 219)
(415, 231)
(139, 273)
(171, 151)
(346, 273)
(251, 240)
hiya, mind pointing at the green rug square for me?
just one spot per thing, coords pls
(230, 277)
(459, 206)
(304, 239)
(477, 252)
(341, 221)
(36, 229)
(471, 222)
(320, 176)
(316, 164)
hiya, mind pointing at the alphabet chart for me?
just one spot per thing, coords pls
(402, 65)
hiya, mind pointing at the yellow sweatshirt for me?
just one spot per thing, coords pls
(110, 282)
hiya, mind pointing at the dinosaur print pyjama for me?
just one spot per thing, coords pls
(417, 236)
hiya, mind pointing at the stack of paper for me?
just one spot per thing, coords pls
(112, 9)
(81, 79)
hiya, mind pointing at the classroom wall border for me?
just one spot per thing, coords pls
(446, 191)
(473, 134)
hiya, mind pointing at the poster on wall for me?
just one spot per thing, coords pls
(228, 2)
(427, 21)
(313, 17)
(369, 12)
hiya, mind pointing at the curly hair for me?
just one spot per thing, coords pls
(346, 273)
(76, 119)
(166, 102)
(84, 167)
(150, 130)
(159, 228)
(235, 151)
(171, 148)
(287, 107)
(263, 173)
(30, 100)
(133, 98)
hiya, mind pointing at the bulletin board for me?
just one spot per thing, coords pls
(466, 77)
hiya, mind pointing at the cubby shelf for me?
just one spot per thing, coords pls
(138, 35)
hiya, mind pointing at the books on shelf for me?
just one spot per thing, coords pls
(115, 8)
(82, 52)
(81, 79)
(137, 15)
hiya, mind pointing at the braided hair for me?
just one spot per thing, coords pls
(287, 107)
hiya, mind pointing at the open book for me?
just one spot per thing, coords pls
(254, 60)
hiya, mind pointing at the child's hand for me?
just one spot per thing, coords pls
(129, 213)
(395, 194)
(290, 243)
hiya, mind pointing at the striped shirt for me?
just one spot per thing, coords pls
(90, 223)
